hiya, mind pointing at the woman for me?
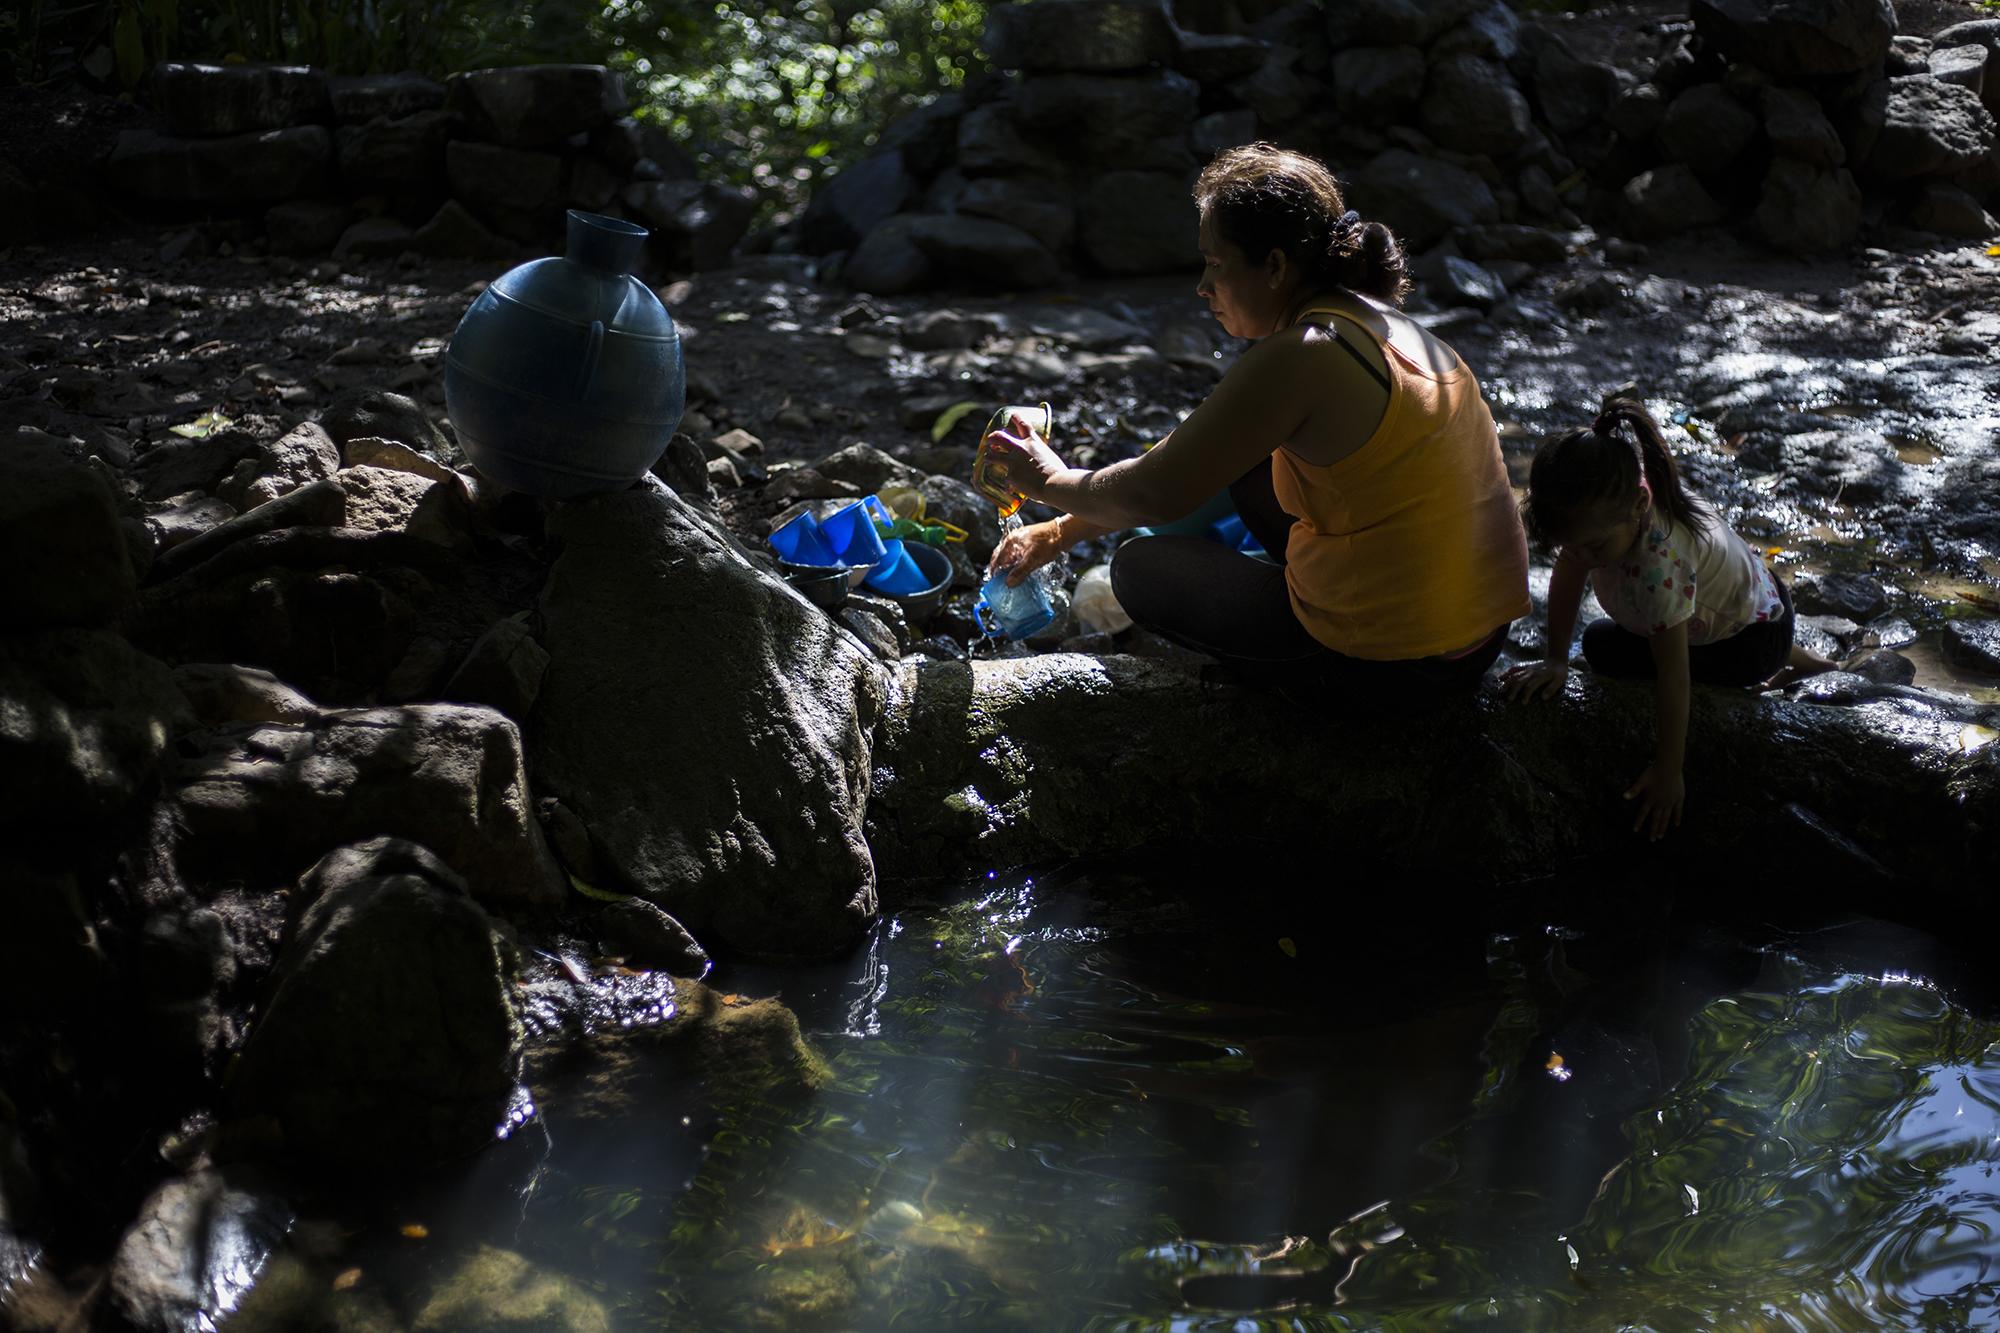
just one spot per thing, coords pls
(1354, 443)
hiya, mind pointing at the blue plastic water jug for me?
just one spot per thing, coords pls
(1017, 612)
(565, 376)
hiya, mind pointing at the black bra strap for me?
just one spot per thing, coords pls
(1352, 350)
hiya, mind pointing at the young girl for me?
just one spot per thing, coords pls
(1689, 600)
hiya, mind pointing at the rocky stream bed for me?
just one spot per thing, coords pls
(338, 786)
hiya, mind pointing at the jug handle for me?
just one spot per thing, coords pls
(593, 344)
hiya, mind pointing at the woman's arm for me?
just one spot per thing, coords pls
(1260, 404)
(1026, 549)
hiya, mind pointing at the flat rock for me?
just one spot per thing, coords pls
(536, 106)
(266, 165)
(269, 799)
(211, 100)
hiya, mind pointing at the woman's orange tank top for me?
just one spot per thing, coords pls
(1411, 546)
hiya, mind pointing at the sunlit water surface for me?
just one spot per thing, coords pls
(1180, 1121)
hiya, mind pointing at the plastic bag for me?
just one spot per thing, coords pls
(1095, 606)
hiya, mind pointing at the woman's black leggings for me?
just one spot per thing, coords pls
(1236, 608)
(1751, 656)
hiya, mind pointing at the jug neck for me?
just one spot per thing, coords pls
(608, 245)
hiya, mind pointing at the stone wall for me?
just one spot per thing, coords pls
(1454, 121)
(481, 165)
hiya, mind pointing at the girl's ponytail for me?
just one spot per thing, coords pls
(1663, 476)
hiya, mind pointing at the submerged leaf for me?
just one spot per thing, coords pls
(592, 891)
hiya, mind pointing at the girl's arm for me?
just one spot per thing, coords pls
(1660, 789)
(1566, 582)
(1548, 676)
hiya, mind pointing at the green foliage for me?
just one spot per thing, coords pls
(118, 41)
(777, 94)
(770, 93)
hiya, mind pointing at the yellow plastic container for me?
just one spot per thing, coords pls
(989, 473)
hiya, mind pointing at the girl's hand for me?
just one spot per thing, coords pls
(1026, 549)
(1660, 792)
(1023, 461)
(1535, 679)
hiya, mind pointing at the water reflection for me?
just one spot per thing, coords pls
(1051, 1112)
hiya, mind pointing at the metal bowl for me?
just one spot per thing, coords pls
(825, 586)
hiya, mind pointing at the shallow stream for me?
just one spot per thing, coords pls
(1064, 1104)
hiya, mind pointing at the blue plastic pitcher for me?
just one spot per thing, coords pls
(565, 376)
(1018, 612)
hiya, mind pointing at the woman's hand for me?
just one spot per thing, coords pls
(1026, 549)
(1023, 462)
(1660, 792)
(1535, 679)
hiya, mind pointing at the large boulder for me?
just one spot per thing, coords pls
(1420, 198)
(926, 135)
(360, 98)
(1217, 57)
(60, 541)
(853, 203)
(1139, 222)
(536, 106)
(1807, 208)
(1574, 94)
(395, 156)
(1045, 211)
(991, 144)
(1471, 105)
(387, 1038)
(1798, 128)
(1378, 85)
(264, 801)
(980, 252)
(1983, 33)
(1135, 122)
(85, 727)
(888, 262)
(695, 224)
(1669, 199)
(210, 100)
(1393, 22)
(1278, 90)
(1080, 35)
(1917, 126)
(194, 1251)
(1707, 128)
(260, 167)
(1797, 38)
(516, 191)
(708, 725)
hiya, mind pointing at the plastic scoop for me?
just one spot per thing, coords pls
(801, 542)
(897, 574)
